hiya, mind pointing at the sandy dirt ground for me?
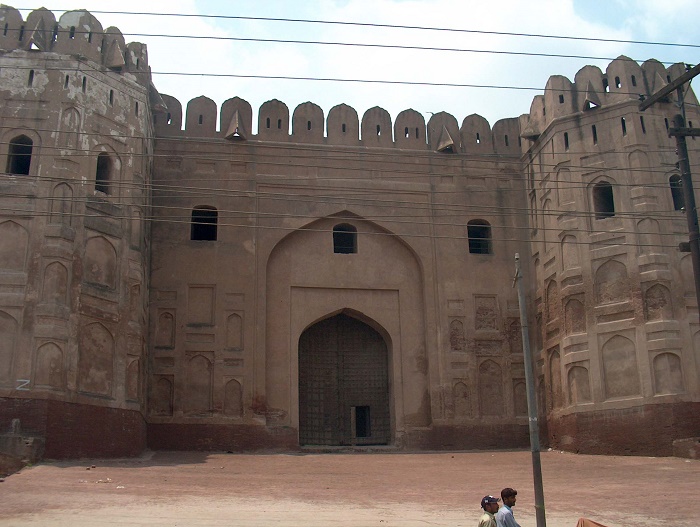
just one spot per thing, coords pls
(350, 489)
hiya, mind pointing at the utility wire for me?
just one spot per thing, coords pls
(389, 26)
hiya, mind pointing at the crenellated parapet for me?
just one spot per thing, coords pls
(76, 33)
(342, 127)
(623, 80)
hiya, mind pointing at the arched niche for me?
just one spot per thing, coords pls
(570, 253)
(462, 401)
(95, 359)
(620, 371)
(579, 385)
(199, 386)
(649, 235)
(100, 267)
(14, 241)
(490, 389)
(54, 289)
(234, 332)
(165, 330)
(8, 337)
(133, 380)
(70, 124)
(565, 186)
(162, 402)
(657, 303)
(457, 337)
(575, 316)
(49, 369)
(553, 304)
(233, 399)
(611, 283)
(555, 385)
(61, 205)
(668, 374)
(520, 398)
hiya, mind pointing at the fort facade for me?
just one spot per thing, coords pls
(166, 284)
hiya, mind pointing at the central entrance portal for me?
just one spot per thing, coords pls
(343, 384)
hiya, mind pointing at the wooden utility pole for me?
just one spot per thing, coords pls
(680, 132)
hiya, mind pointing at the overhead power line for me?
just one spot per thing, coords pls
(392, 26)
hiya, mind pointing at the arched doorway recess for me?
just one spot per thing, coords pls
(343, 384)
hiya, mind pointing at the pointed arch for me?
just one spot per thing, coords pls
(620, 371)
(611, 283)
(490, 388)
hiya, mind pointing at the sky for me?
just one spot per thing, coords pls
(509, 79)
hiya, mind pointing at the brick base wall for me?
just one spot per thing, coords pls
(73, 431)
(642, 431)
(209, 437)
(474, 437)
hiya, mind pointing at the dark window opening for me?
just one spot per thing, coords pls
(138, 61)
(204, 224)
(111, 97)
(666, 122)
(84, 84)
(65, 83)
(103, 174)
(406, 134)
(677, 192)
(4, 31)
(30, 81)
(478, 138)
(169, 119)
(417, 136)
(506, 140)
(343, 127)
(566, 140)
(668, 78)
(606, 88)
(618, 84)
(21, 33)
(90, 36)
(634, 80)
(362, 421)
(201, 118)
(624, 126)
(479, 234)
(267, 123)
(561, 99)
(544, 110)
(279, 124)
(379, 130)
(71, 33)
(641, 121)
(136, 108)
(595, 135)
(19, 157)
(308, 125)
(603, 202)
(344, 239)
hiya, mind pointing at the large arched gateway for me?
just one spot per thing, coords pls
(343, 384)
